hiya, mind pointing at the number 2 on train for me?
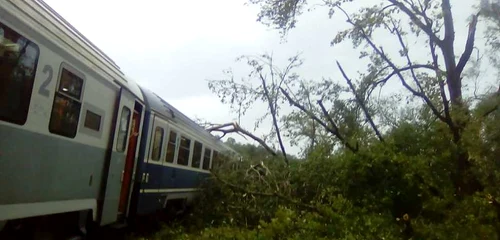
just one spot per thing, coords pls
(43, 88)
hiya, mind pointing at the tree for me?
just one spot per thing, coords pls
(438, 82)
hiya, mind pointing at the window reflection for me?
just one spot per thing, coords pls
(157, 143)
(64, 117)
(206, 158)
(169, 157)
(70, 84)
(122, 130)
(66, 109)
(183, 158)
(18, 62)
(196, 155)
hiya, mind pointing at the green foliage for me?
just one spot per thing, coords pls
(279, 13)
(399, 189)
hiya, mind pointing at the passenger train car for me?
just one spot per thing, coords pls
(78, 136)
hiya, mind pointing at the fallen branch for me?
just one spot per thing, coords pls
(235, 128)
(270, 194)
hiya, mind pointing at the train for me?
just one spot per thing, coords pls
(79, 136)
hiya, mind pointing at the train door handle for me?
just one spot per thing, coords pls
(147, 177)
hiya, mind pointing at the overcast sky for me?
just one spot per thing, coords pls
(173, 47)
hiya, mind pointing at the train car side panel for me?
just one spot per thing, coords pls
(39, 167)
(117, 160)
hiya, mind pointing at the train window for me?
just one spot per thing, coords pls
(92, 121)
(184, 150)
(18, 63)
(157, 143)
(206, 158)
(169, 157)
(70, 84)
(196, 155)
(67, 103)
(121, 141)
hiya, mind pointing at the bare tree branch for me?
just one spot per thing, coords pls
(452, 79)
(438, 72)
(235, 128)
(333, 130)
(330, 119)
(407, 55)
(381, 53)
(407, 68)
(427, 28)
(272, 108)
(399, 70)
(469, 45)
(218, 127)
(313, 136)
(361, 104)
(449, 27)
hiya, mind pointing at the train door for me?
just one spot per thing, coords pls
(129, 162)
(151, 199)
(115, 171)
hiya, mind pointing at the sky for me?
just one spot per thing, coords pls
(174, 47)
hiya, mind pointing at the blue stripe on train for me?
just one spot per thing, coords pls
(166, 177)
(163, 177)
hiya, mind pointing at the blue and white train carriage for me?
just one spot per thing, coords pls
(179, 155)
(78, 136)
